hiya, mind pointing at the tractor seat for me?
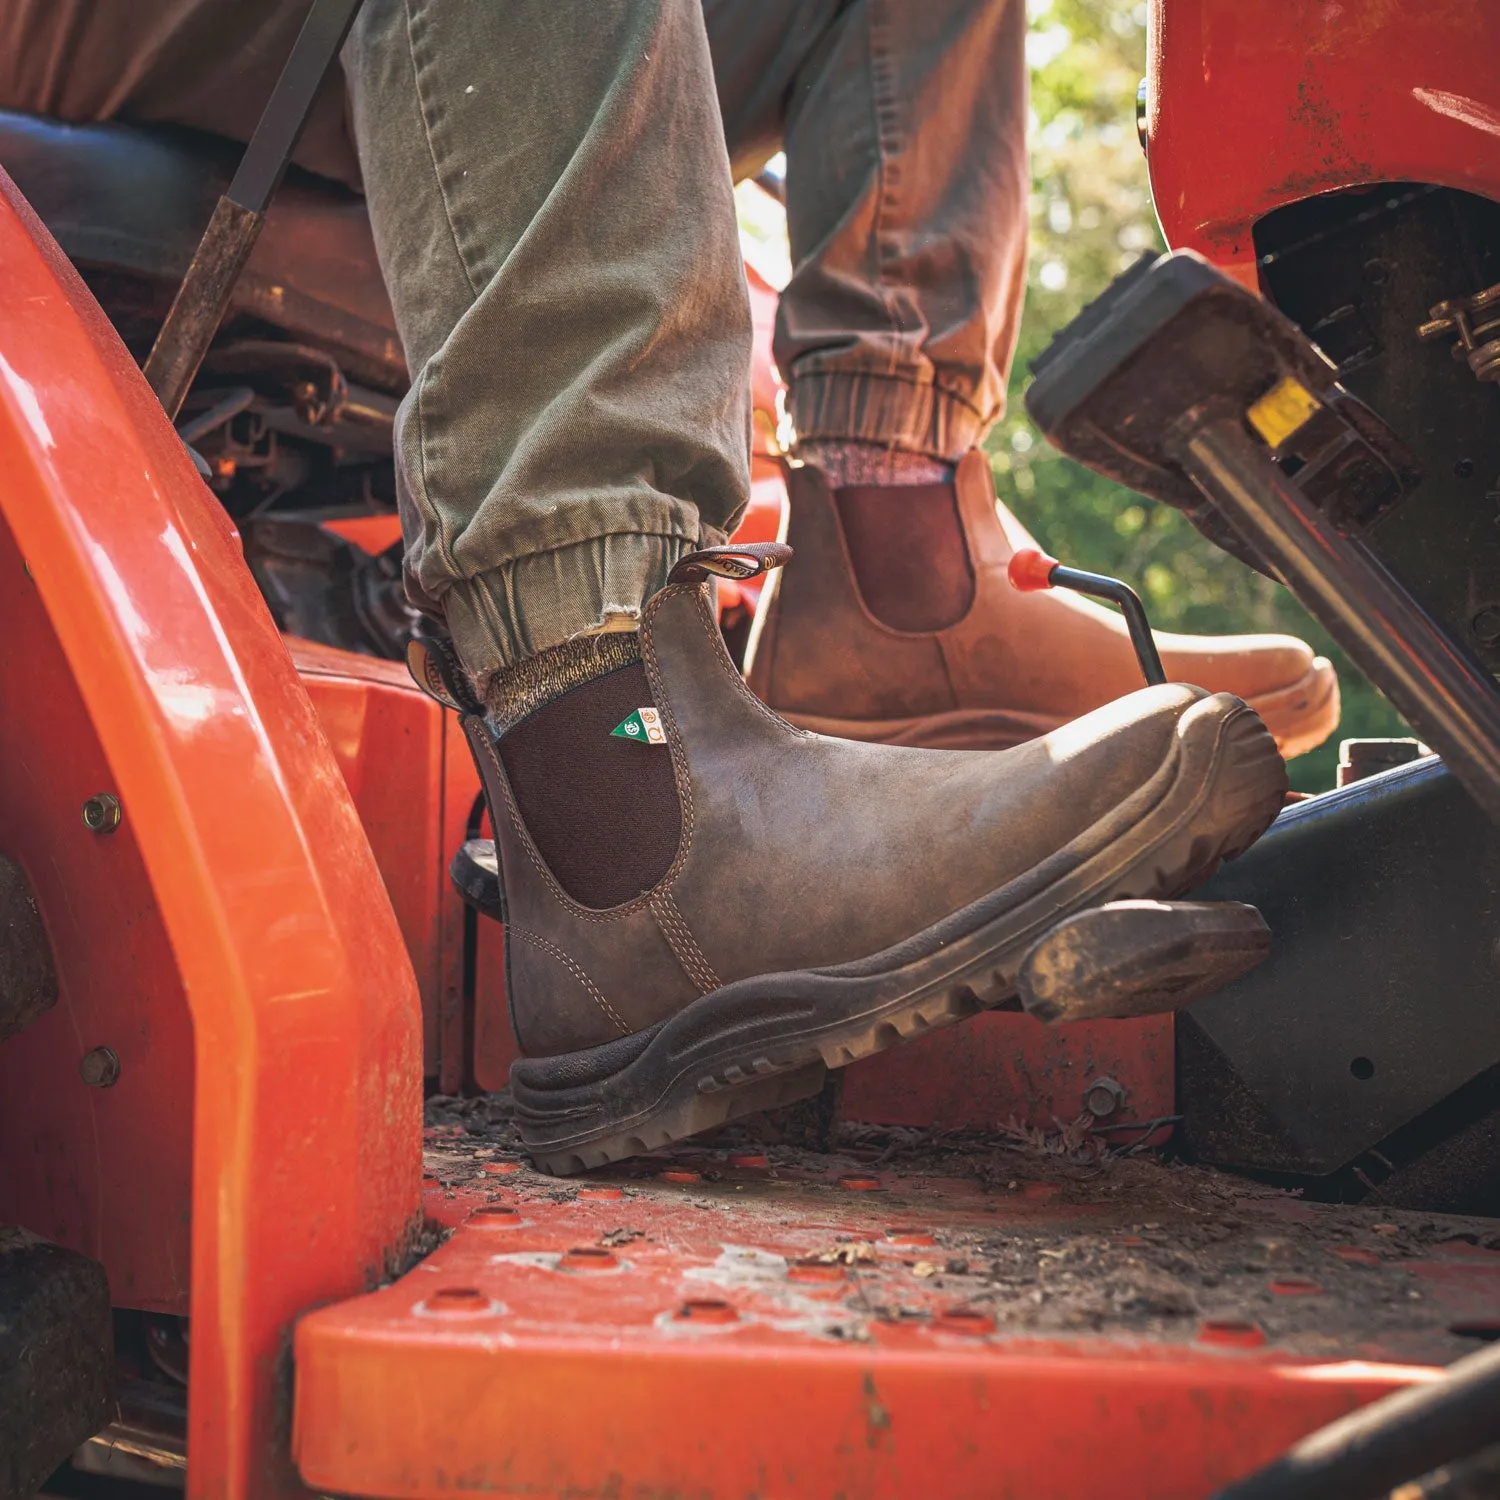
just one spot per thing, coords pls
(135, 199)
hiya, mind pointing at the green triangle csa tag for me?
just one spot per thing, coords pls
(643, 726)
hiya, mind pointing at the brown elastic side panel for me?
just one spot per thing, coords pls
(602, 810)
(910, 559)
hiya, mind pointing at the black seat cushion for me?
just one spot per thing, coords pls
(136, 199)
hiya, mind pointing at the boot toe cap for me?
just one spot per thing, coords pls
(1294, 691)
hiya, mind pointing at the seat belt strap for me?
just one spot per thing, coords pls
(202, 298)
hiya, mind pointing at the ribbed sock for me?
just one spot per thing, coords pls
(844, 463)
(601, 808)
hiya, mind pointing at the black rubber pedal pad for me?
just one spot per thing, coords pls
(1139, 958)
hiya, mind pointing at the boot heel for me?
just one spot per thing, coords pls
(1139, 958)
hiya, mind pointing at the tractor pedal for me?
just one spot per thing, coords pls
(1139, 958)
(475, 873)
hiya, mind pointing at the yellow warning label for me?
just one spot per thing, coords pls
(1282, 410)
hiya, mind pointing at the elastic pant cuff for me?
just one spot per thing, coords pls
(887, 411)
(502, 617)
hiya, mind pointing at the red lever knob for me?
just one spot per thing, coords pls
(1031, 569)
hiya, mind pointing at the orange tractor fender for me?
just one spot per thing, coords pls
(1251, 107)
(258, 983)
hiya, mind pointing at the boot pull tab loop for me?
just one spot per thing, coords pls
(434, 664)
(747, 561)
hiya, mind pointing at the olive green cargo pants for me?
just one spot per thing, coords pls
(549, 182)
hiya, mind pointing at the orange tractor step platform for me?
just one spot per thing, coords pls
(934, 1313)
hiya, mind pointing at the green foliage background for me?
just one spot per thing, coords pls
(1091, 216)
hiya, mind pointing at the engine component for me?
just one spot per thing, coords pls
(1358, 272)
(1475, 323)
(322, 588)
(1182, 383)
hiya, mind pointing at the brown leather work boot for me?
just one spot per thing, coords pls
(1004, 666)
(810, 901)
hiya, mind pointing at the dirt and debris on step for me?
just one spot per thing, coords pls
(1047, 1232)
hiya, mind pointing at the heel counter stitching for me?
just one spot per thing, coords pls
(550, 948)
(681, 941)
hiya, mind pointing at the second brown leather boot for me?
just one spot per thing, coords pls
(813, 900)
(840, 647)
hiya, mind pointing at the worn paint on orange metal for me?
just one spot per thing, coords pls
(993, 1067)
(388, 738)
(414, 785)
(305, 1017)
(1250, 107)
(705, 1357)
(728, 1409)
(104, 1171)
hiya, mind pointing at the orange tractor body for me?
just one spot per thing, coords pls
(259, 932)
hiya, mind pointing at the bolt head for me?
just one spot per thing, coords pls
(1103, 1097)
(102, 813)
(99, 1067)
(1485, 625)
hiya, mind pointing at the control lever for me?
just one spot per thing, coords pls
(1031, 570)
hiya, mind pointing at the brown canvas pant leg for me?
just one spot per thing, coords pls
(904, 125)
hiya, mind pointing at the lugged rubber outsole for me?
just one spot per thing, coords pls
(772, 1036)
(688, 1115)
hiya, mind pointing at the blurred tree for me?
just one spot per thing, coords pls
(1091, 216)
